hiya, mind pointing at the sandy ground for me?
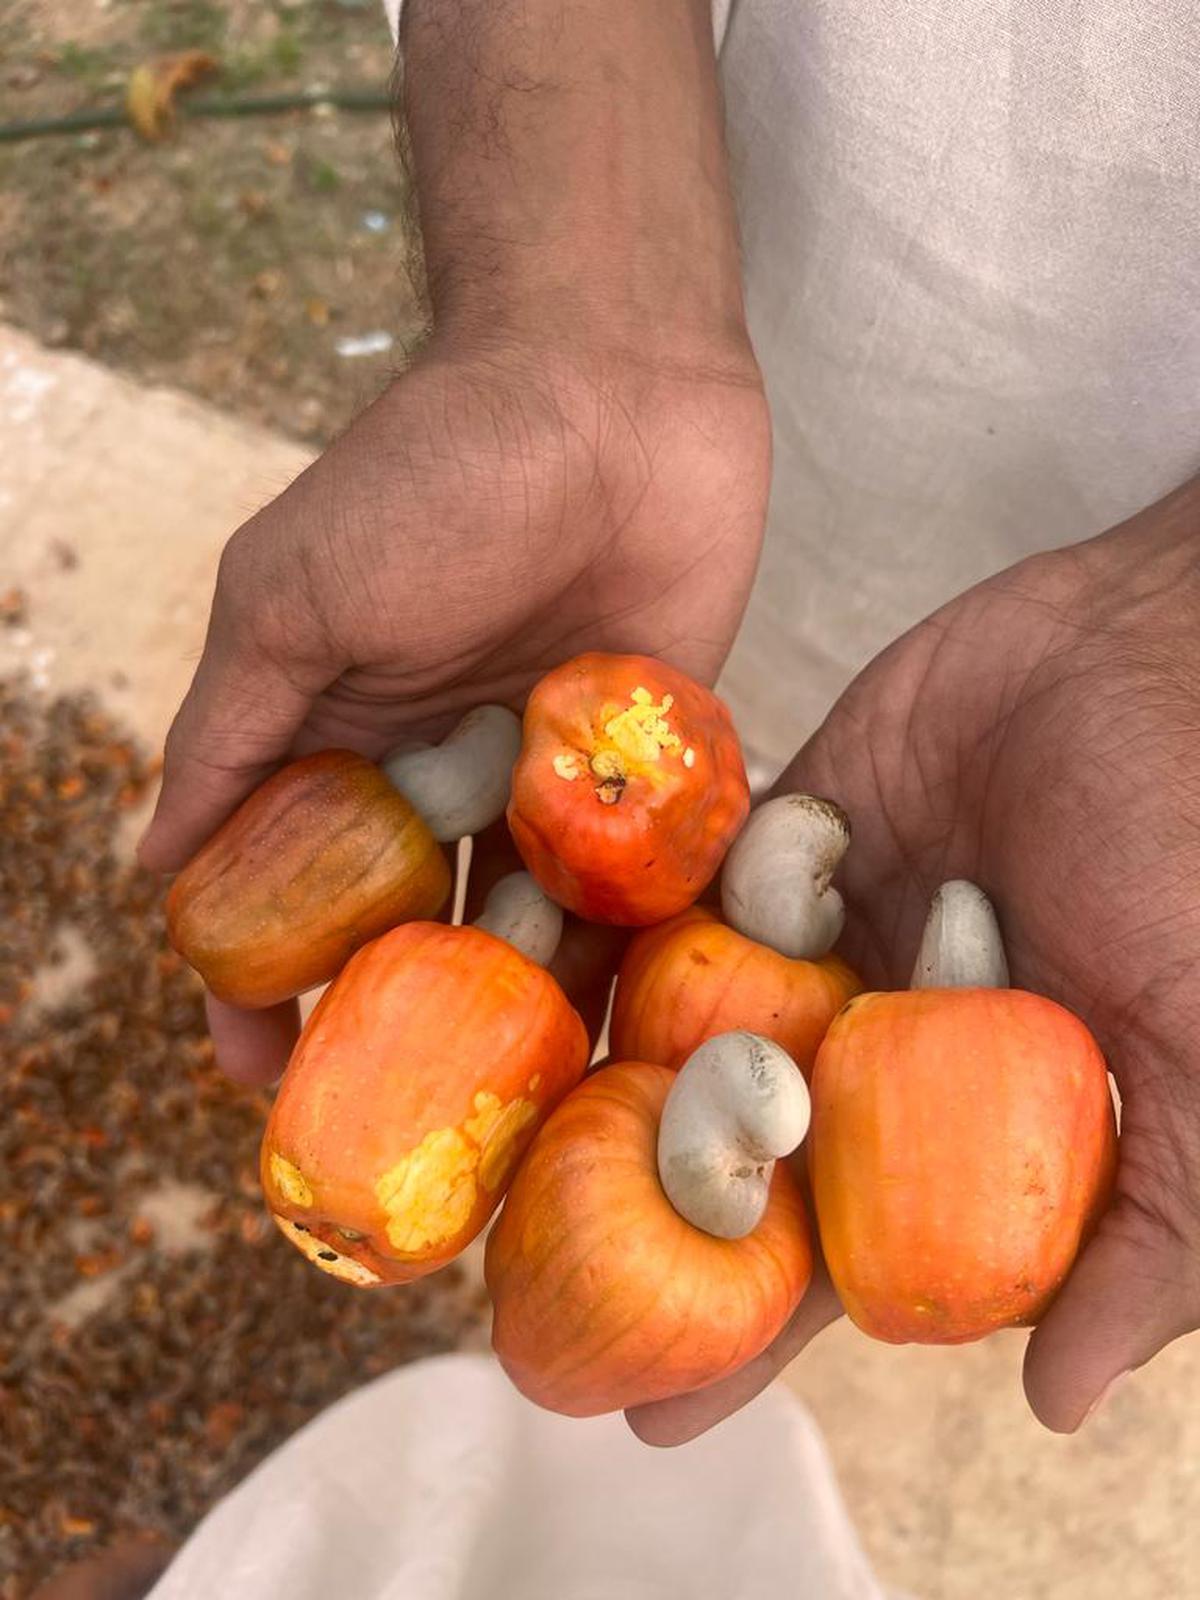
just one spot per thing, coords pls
(114, 503)
(234, 260)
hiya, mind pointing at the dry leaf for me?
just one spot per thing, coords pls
(268, 283)
(14, 607)
(317, 312)
(222, 1423)
(73, 1527)
(277, 153)
(150, 95)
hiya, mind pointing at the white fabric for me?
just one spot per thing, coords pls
(970, 233)
(721, 9)
(440, 1483)
(971, 241)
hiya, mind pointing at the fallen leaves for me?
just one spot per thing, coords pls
(14, 608)
(150, 94)
(268, 283)
(200, 1341)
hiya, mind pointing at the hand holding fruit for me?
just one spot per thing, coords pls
(493, 512)
(436, 1053)
(1038, 735)
(964, 1138)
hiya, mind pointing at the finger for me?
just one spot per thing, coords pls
(253, 1047)
(585, 965)
(1133, 1290)
(885, 887)
(127, 1570)
(685, 1416)
(237, 721)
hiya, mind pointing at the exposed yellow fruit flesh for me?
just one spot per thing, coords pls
(495, 1129)
(629, 742)
(290, 1182)
(430, 1194)
(641, 732)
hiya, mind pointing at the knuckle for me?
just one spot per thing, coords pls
(237, 574)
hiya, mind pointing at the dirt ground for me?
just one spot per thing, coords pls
(231, 261)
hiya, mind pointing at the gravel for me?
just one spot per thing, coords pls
(157, 1337)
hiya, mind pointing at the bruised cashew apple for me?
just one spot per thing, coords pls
(963, 1141)
(330, 852)
(604, 1295)
(767, 967)
(628, 790)
(322, 857)
(415, 1087)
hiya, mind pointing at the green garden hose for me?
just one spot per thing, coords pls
(213, 106)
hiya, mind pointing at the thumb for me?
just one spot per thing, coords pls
(666, 1423)
(1135, 1288)
(247, 701)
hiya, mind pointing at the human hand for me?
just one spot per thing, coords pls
(492, 514)
(1038, 736)
(578, 461)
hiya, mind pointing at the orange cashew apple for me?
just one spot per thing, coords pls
(332, 851)
(629, 788)
(418, 1082)
(605, 1295)
(767, 967)
(320, 858)
(963, 1141)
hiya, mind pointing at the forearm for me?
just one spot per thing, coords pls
(571, 174)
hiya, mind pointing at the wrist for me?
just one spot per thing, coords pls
(666, 323)
(578, 188)
(596, 349)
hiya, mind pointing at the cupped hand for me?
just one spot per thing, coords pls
(1041, 736)
(499, 509)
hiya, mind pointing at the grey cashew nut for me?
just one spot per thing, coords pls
(775, 886)
(518, 911)
(962, 946)
(737, 1104)
(462, 785)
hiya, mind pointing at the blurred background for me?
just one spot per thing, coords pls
(240, 262)
(183, 323)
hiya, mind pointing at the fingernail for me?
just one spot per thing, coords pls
(1106, 1394)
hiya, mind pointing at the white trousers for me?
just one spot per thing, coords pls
(439, 1482)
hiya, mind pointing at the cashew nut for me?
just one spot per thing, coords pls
(961, 947)
(775, 886)
(737, 1104)
(462, 784)
(518, 911)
